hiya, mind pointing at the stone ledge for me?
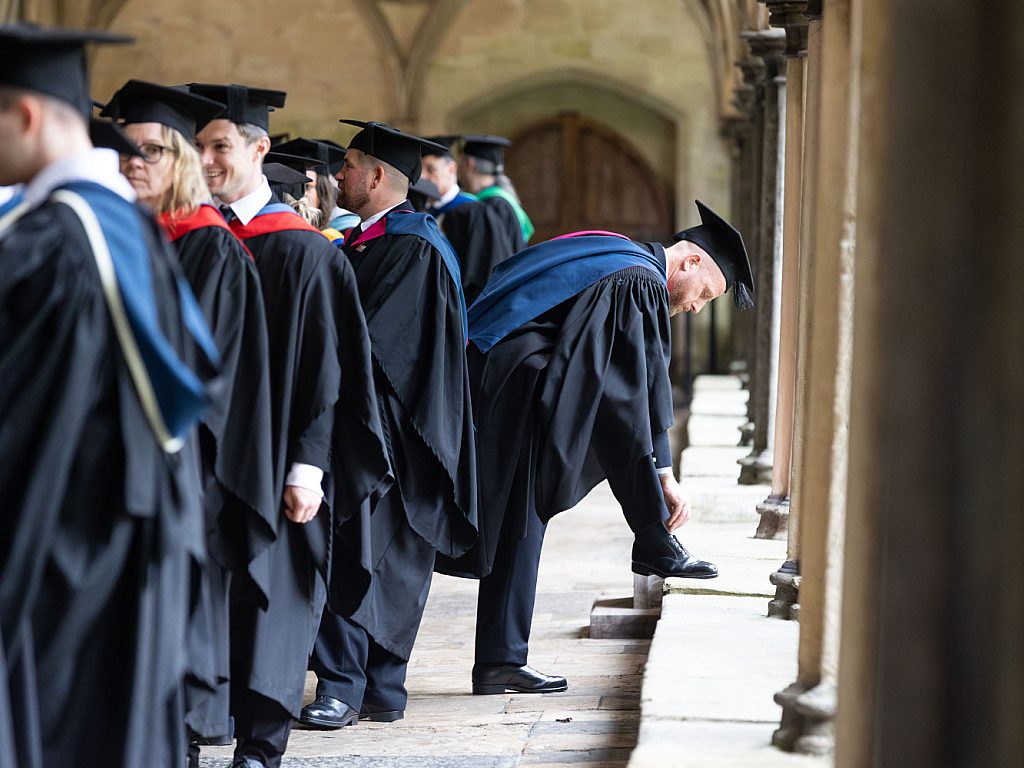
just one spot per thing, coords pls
(708, 691)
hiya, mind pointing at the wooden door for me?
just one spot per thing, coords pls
(573, 173)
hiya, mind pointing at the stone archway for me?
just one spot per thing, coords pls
(575, 173)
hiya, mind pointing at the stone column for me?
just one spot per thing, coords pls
(768, 45)
(774, 511)
(809, 703)
(932, 669)
(749, 101)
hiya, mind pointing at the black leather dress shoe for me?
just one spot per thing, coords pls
(377, 715)
(666, 557)
(246, 762)
(328, 713)
(510, 677)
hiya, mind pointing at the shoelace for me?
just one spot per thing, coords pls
(678, 548)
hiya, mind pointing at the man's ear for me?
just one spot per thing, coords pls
(691, 261)
(377, 177)
(262, 146)
(30, 112)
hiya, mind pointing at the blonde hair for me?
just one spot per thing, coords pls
(311, 214)
(188, 188)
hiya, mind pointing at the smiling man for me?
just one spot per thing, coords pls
(569, 361)
(328, 450)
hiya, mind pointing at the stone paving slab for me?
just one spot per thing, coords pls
(707, 383)
(712, 430)
(720, 403)
(714, 745)
(723, 500)
(712, 461)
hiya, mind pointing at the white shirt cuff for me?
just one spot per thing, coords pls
(665, 470)
(306, 476)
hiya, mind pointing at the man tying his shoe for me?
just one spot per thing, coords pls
(569, 368)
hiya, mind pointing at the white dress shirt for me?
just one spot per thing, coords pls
(245, 208)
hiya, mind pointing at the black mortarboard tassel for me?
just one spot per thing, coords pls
(396, 148)
(242, 103)
(141, 102)
(50, 61)
(724, 244)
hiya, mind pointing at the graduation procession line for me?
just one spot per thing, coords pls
(246, 443)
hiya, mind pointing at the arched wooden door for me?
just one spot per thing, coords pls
(573, 173)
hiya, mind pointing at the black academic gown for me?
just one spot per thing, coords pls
(414, 317)
(571, 396)
(99, 524)
(241, 511)
(324, 413)
(506, 215)
(480, 238)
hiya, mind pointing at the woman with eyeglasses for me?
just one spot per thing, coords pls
(234, 437)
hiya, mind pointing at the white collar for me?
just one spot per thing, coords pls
(369, 222)
(246, 208)
(447, 197)
(100, 166)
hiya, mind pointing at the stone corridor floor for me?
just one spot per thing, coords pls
(592, 725)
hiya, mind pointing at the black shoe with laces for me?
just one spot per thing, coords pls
(664, 556)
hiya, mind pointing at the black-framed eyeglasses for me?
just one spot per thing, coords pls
(152, 153)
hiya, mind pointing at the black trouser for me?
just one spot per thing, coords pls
(504, 611)
(262, 727)
(351, 667)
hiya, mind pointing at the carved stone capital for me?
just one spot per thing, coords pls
(769, 45)
(789, 15)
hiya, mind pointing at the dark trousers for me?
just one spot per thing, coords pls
(351, 667)
(262, 727)
(505, 601)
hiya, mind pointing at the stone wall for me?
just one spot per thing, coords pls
(436, 65)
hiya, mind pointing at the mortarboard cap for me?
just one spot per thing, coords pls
(394, 147)
(445, 141)
(485, 147)
(328, 156)
(423, 193)
(141, 102)
(295, 162)
(277, 173)
(724, 244)
(50, 61)
(242, 104)
(108, 135)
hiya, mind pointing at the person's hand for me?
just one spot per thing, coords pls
(677, 501)
(301, 504)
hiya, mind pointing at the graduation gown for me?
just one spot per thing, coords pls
(566, 388)
(99, 523)
(479, 237)
(324, 413)
(506, 215)
(414, 312)
(238, 496)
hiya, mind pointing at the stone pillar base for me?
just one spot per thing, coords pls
(817, 707)
(774, 512)
(746, 435)
(806, 726)
(786, 604)
(756, 469)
